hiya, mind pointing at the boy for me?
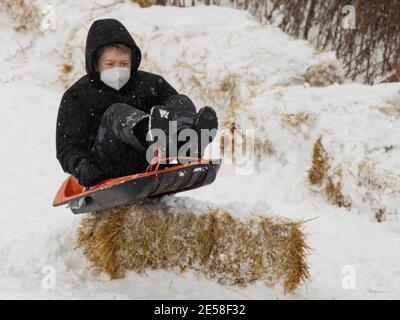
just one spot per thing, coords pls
(105, 117)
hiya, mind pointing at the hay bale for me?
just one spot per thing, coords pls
(214, 243)
(328, 178)
(143, 3)
(319, 163)
(358, 176)
(323, 75)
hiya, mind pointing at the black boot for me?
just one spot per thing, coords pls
(160, 120)
(206, 119)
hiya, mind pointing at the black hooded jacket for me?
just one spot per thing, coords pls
(84, 103)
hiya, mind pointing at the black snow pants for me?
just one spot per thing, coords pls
(120, 145)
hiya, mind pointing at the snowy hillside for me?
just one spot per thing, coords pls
(257, 77)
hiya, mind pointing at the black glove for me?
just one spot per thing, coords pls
(182, 110)
(178, 108)
(89, 174)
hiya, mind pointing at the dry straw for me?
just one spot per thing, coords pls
(321, 174)
(214, 243)
(26, 14)
(319, 165)
(323, 75)
(66, 72)
(365, 184)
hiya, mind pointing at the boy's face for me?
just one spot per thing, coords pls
(113, 58)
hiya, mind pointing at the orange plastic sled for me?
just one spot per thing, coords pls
(137, 187)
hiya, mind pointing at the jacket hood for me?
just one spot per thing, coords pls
(106, 31)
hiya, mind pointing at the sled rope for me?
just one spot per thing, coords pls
(157, 160)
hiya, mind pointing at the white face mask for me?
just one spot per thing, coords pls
(116, 78)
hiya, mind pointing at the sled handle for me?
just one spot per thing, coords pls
(157, 159)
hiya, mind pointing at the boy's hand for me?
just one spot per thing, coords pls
(182, 110)
(89, 174)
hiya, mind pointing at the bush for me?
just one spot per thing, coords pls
(371, 51)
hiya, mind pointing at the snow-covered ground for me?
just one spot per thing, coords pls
(199, 50)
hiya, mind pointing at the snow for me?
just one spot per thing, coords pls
(164, 113)
(356, 123)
